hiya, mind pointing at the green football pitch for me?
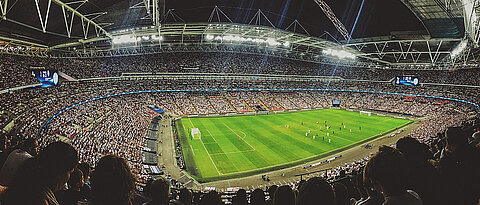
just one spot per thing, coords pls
(238, 146)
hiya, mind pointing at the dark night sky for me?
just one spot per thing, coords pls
(378, 17)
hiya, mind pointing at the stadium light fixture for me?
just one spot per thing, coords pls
(457, 50)
(339, 53)
(157, 38)
(209, 37)
(272, 42)
(123, 39)
(228, 38)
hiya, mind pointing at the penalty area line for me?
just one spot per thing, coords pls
(206, 151)
(210, 157)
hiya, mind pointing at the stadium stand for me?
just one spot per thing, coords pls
(105, 126)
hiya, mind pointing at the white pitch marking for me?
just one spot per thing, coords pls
(207, 151)
(238, 135)
(210, 157)
(211, 136)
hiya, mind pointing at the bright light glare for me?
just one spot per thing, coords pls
(339, 53)
(209, 37)
(123, 39)
(271, 42)
(268, 41)
(461, 46)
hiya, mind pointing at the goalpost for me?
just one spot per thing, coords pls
(365, 112)
(196, 134)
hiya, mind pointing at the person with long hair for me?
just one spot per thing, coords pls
(112, 182)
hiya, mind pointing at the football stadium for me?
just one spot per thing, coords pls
(281, 102)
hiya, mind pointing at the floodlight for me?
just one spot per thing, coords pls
(272, 42)
(339, 53)
(209, 37)
(460, 47)
(228, 38)
(123, 39)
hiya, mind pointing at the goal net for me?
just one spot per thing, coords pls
(196, 133)
(365, 113)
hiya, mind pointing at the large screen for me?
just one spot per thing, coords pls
(47, 77)
(406, 80)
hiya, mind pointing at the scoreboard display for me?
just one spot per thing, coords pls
(406, 80)
(47, 77)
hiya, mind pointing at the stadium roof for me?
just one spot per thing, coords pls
(432, 29)
(442, 18)
(24, 19)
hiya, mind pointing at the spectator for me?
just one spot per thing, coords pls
(271, 193)
(315, 191)
(86, 188)
(185, 196)
(159, 190)
(422, 176)
(459, 159)
(73, 194)
(38, 179)
(284, 196)
(387, 171)
(240, 198)
(212, 198)
(15, 159)
(257, 197)
(475, 139)
(112, 182)
(341, 194)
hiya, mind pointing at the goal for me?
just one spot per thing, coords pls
(196, 134)
(366, 113)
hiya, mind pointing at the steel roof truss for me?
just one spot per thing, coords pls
(3, 9)
(43, 22)
(67, 25)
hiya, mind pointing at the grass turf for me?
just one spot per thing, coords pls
(242, 145)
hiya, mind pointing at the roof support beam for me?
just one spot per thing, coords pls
(85, 20)
(43, 22)
(3, 9)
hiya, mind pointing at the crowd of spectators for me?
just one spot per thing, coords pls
(102, 129)
(405, 173)
(18, 68)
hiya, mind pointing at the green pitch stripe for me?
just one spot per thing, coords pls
(265, 141)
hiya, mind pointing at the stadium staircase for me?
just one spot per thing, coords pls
(293, 102)
(278, 104)
(244, 102)
(176, 105)
(191, 103)
(210, 104)
(263, 104)
(315, 99)
(230, 104)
